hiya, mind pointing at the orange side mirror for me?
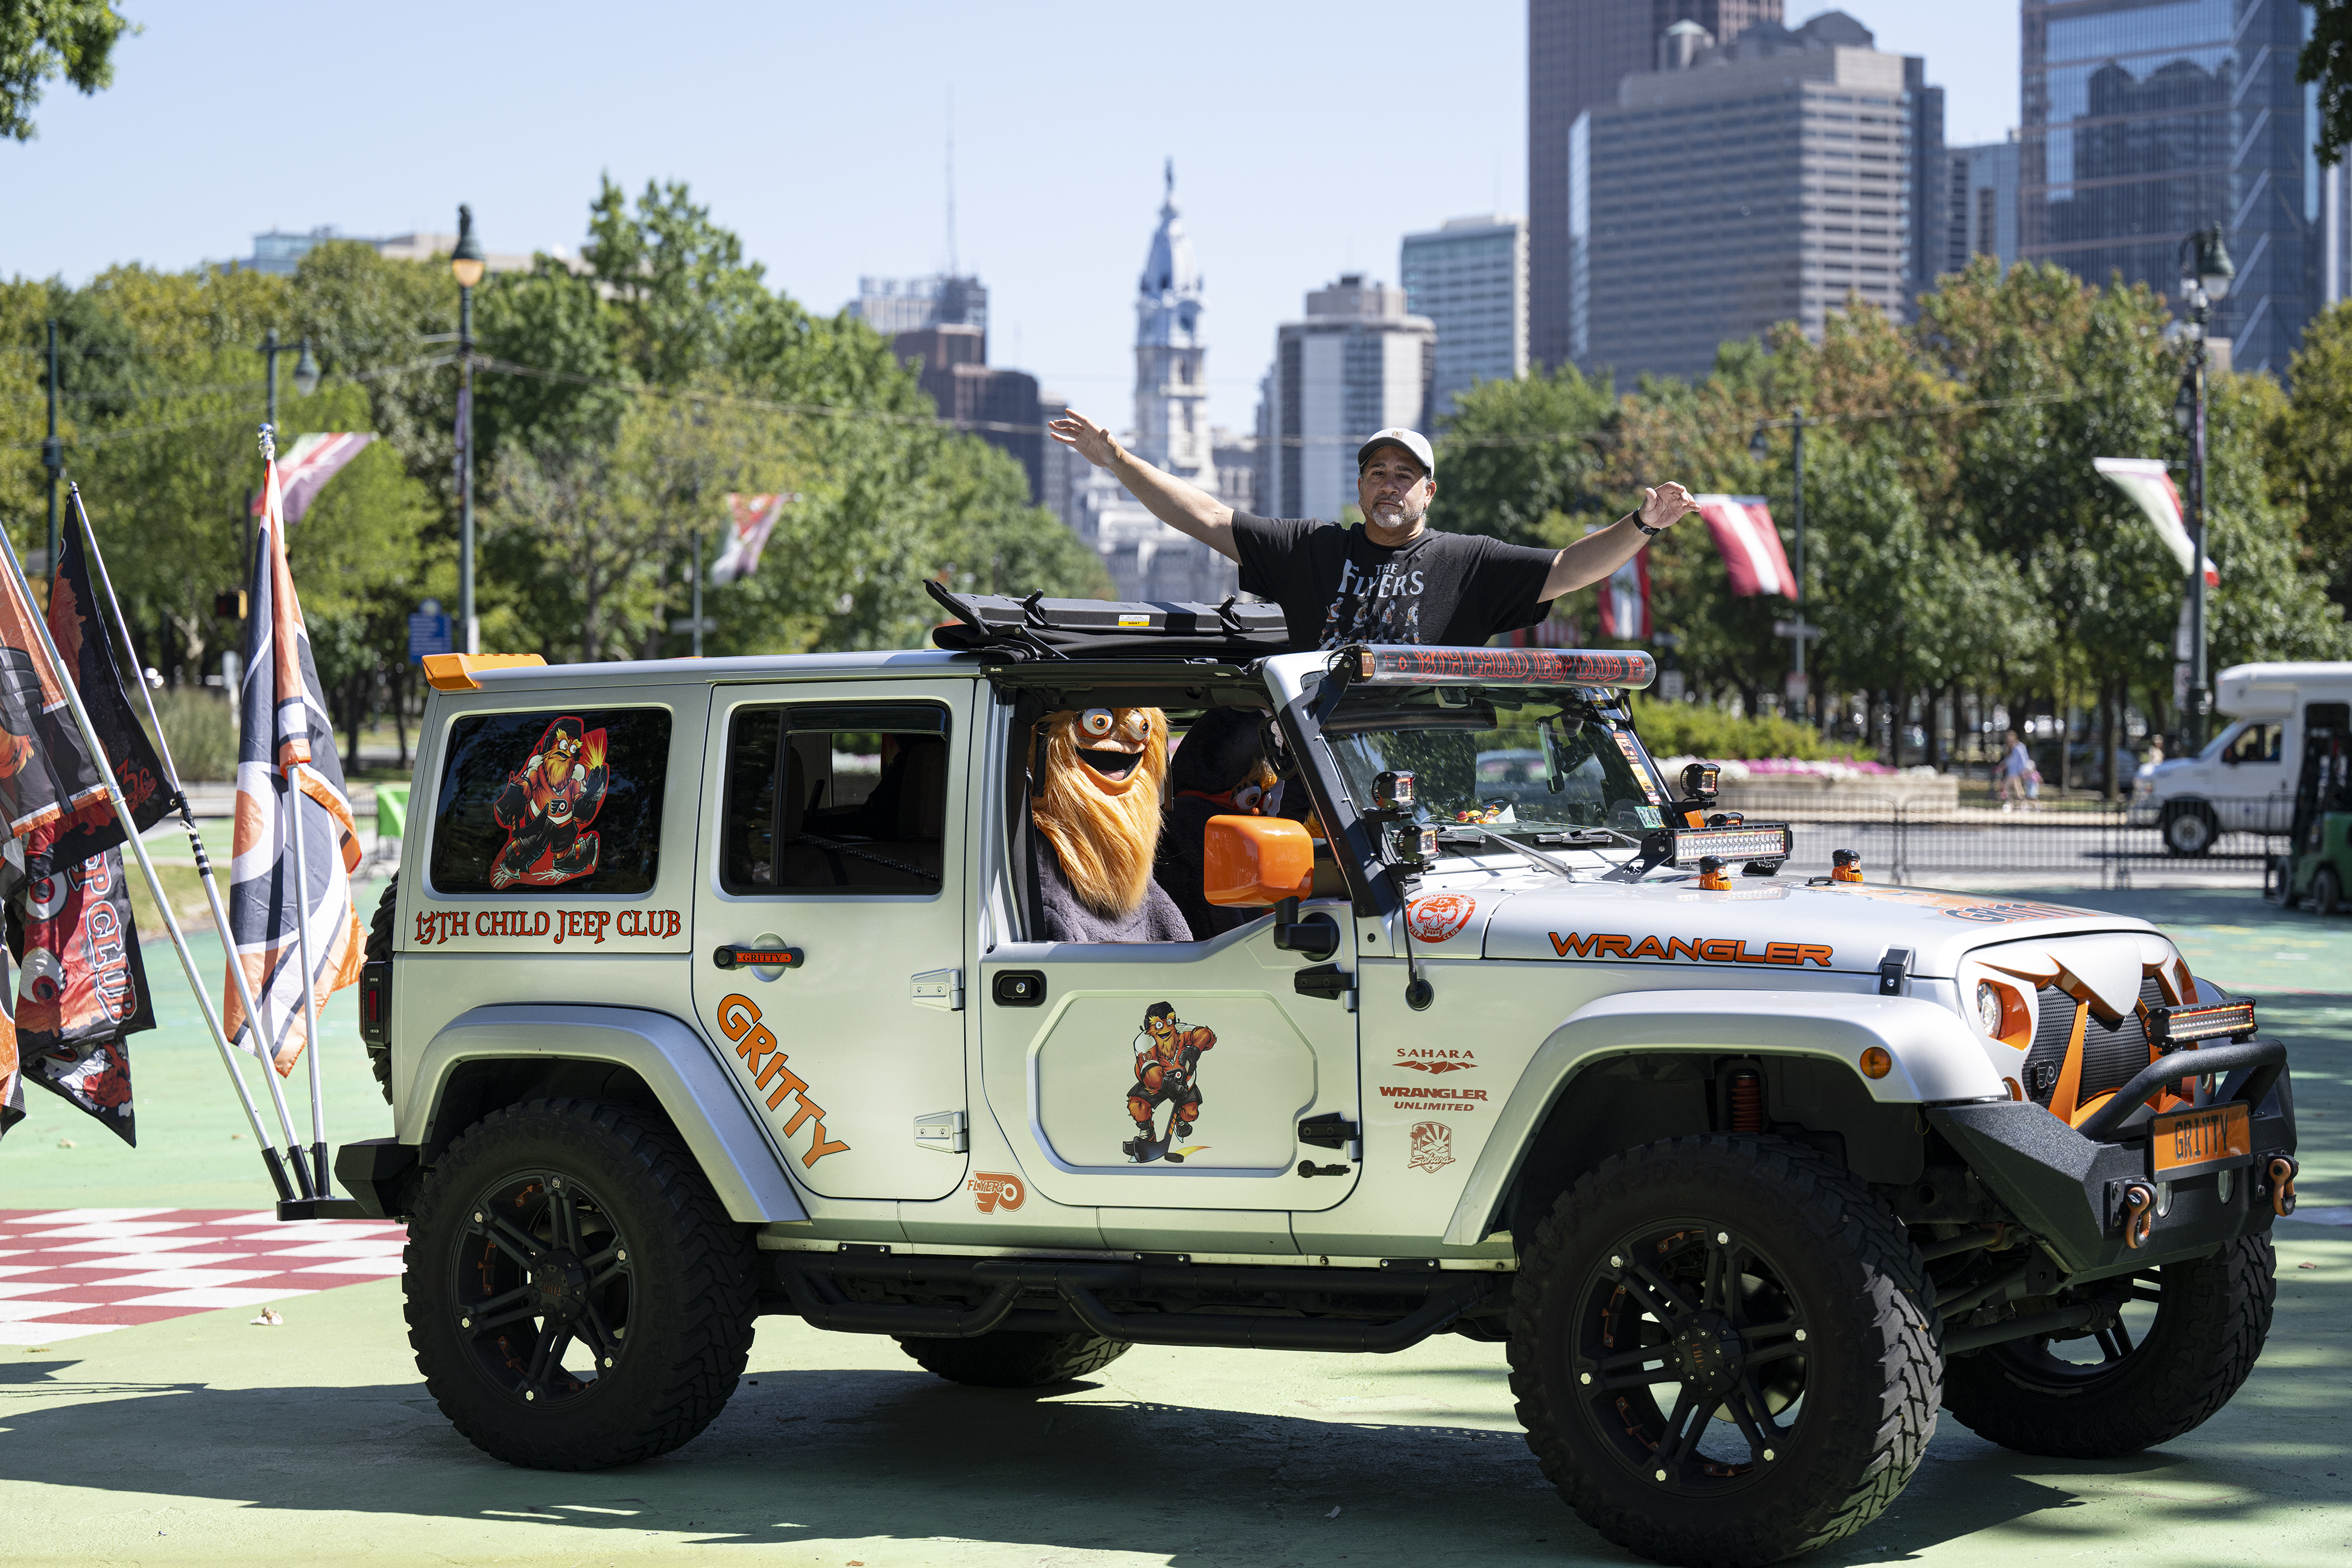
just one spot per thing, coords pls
(1254, 860)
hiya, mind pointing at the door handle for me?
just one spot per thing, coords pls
(741, 955)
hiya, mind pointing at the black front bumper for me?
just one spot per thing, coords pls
(2069, 1189)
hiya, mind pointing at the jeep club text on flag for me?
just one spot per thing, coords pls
(1751, 545)
(286, 735)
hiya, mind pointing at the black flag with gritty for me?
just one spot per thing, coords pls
(77, 623)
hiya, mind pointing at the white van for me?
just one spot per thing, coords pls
(2245, 776)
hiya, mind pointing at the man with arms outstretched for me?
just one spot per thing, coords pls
(1392, 580)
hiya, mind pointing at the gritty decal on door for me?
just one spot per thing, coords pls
(763, 1063)
(1167, 1071)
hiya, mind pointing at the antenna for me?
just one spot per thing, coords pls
(953, 271)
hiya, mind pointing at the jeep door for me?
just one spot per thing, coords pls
(834, 824)
(1070, 1032)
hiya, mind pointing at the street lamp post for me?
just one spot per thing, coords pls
(306, 368)
(467, 264)
(1800, 693)
(2206, 271)
(53, 452)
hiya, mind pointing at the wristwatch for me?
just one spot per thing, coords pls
(1647, 531)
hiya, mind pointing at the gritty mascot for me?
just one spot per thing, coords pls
(546, 804)
(1167, 1071)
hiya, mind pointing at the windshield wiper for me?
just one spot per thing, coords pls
(1474, 833)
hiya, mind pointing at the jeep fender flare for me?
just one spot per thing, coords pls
(1935, 1060)
(700, 1097)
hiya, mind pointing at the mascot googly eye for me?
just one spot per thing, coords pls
(1097, 722)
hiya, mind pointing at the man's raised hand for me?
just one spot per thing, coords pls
(1093, 442)
(1666, 505)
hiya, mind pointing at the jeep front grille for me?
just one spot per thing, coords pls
(2110, 1056)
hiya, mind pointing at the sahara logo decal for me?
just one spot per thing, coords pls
(546, 804)
(994, 1190)
(1434, 1058)
(1699, 950)
(1433, 1147)
(1167, 1071)
(1438, 917)
(738, 1020)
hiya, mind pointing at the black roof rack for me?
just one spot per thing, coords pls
(1003, 628)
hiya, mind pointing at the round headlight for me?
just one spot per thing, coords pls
(1989, 1006)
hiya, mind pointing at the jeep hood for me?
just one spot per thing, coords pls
(1778, 927)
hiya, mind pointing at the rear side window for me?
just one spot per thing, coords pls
(562, 799)
(835, 798)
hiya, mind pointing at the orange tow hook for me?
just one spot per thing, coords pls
(2139, 1218)
(2281, 1172)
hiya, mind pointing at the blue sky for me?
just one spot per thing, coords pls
(1308, 140)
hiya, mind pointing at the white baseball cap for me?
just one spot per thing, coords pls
(1412, 441)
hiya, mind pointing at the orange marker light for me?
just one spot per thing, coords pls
(1876, 1063)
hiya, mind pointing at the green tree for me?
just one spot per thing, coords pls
(41, 40)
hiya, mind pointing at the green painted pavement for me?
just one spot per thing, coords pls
(204, 1439)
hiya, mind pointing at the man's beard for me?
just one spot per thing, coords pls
(1107, 842)
(1398, 514)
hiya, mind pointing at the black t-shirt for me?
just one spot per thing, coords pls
(1335, 586)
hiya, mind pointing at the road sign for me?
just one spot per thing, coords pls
(1670, 686)
(1795, 630)
(689, 624)
(1799, 687)
(428, 631)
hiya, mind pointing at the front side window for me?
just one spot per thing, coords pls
(829, 798)
(554, 799)
(1504, 756)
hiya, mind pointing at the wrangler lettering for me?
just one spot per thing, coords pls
(1695, 949)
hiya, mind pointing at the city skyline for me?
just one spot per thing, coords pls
(1055, 248)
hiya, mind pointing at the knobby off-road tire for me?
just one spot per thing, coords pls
(2211, 1317)
(576, 1296)
(379, 949)
(1008, 1360)
(1630, 1339)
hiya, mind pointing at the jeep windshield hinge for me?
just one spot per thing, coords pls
(1893, 969)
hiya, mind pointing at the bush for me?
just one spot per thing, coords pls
(200, 728)
(1697, 729)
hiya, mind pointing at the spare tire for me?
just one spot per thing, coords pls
(379, 951)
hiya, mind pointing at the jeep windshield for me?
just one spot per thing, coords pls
(1516, 760)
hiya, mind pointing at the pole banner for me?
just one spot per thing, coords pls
(1749, 544)
(285, 732)
(48, 780)
(310, 463)
(89, 656)
(1625, 599)
(2150, 487)
(751, 519)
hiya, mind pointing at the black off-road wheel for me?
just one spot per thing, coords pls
(1722, 1352)
(379, 951)
(1010, 1360)
(2188, 1335)
(576, 1296)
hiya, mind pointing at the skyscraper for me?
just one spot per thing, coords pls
(1578, 50)
(1980, 208)
(1000, 406)
(1470, 277)
(1791, 159)
(894, 305)
(1356, 365)
(2148, 120)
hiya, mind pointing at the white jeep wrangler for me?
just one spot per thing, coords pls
(715, 989)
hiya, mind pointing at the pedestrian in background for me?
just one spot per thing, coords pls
(2009, 775)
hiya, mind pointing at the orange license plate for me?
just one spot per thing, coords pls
(2189, 1142)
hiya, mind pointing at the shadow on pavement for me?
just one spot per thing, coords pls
(880, 1455)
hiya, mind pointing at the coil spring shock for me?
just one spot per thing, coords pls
(1747, 1100)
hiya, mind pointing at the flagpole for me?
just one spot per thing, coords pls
(212, 896)
(139, 848)
(310, 975)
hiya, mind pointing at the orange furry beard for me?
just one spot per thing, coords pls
(1106, 830)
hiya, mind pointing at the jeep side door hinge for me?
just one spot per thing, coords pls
(942, 1131)
(1326, 981)
(939, 988)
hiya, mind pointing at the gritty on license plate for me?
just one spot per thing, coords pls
(2188, 1141)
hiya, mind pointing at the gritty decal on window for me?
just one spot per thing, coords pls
(545, 807)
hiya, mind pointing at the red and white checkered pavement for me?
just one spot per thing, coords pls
(65, 1273)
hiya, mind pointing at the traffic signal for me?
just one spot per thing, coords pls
(229, 605)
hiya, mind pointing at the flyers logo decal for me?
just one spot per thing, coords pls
(1440, 916)
(994, 1190)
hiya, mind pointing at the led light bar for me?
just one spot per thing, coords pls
(2187, 1025)
(1390, 664)
(1750, 842)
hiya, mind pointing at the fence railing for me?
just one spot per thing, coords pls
(1915, 841)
